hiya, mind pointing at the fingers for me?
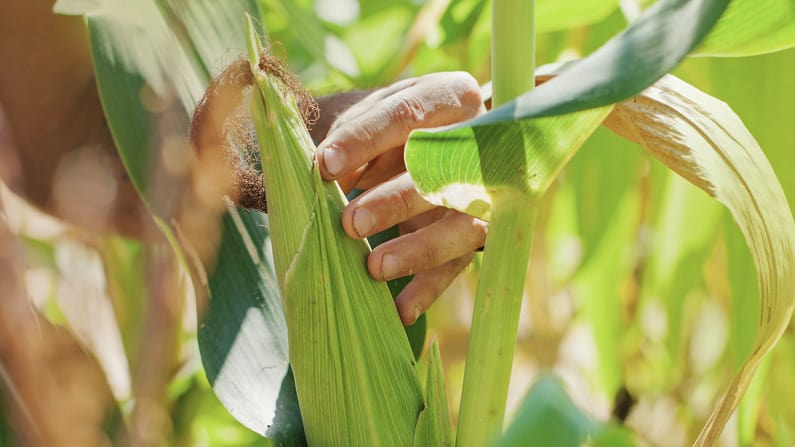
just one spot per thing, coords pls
(383, 120)
(382, 207)
(449, 238)
(380, 169)
(422, 291)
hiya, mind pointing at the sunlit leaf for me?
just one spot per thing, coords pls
(464, 167)
(137, 38)
(729, 79)
(752, 27)
(701, 139)
(652, 45)
(353, 365)
(243, 337)
(143, 52)
(200, 419)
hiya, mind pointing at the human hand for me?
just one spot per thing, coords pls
(364, 149)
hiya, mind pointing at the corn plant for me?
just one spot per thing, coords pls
(298, 343)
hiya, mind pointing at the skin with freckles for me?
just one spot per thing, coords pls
(364, 149)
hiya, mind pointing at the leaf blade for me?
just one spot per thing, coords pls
(702, 140)
(134, 50)
(751, 28)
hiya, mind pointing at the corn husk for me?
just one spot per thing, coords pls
(433, 426)
(354, 370)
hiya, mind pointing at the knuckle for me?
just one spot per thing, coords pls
(406, 111)
(357, 137)
(405, 201)
(467, 90)
(480, 229)
(460, 264)
(431, 255)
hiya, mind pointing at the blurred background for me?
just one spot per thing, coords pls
(641, 294)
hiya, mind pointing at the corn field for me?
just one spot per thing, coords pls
(149, 295)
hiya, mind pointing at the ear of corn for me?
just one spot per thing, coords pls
(354, 370)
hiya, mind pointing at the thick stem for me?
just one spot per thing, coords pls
(512, 49)
(495, 321)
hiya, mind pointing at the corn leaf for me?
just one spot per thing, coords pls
(136, 47)
(478, 162)
(156, 49)
(242, 337)
(548, 415)
(769, 77)
(433, 425)
(551, 15)
(354, 369)
(702, 140)
(752, 27)
(652, 45)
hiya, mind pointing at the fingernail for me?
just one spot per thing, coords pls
(390, 266)
(417, 313)
(363, 221)
(334, 161)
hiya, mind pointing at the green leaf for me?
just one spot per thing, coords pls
(465, 167)
(652, 45)
(140, 50)
(243, 336)
(354, 369)
(598, 174)
(433, 424)
(459, 18)
(745, 84)
(143, 52)
(702, 140)
(374, 56)
(548, 415)
(752, 27)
